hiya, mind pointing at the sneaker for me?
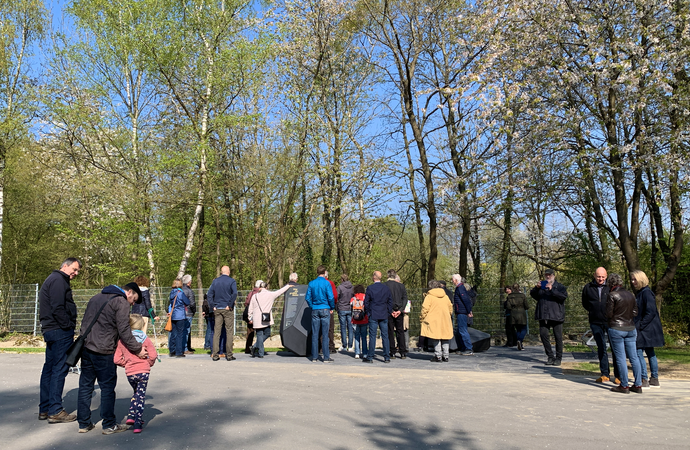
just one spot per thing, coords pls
(392, 356)
(435, 359)
(467, 353)
(519, 346)
(386, 361)
(602, 379)
(550, 361)
(62, 417)
(315, 360)
(351, 349)
(232, 358)
(189, 352)
(444, 359)
(654, 382)
(87, 429)
(557, 362)
(645, 383)
(356, 356)
(42, 416)
(130, 422)
(216, 357)
(119, 428)
(367, 360)
(137, 427)
(621, 389)
(341, 349)
(636, 389)
(181, 356)
(329, 360)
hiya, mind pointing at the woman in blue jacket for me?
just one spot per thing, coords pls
(177, 337)
(648, 325)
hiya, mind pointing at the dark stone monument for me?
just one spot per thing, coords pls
(295, 325)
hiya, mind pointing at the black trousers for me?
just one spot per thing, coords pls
(511, 335)
(395, 328)
(544, 326)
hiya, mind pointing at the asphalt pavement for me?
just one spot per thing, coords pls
(500, 399)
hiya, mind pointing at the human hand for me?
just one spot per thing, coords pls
(143, 354)
(214, 308)
(470, 315)
(156, 318)
(227, 308)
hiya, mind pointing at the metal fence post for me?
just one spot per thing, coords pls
(35, 308)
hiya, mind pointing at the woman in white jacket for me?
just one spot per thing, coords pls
(260, 308)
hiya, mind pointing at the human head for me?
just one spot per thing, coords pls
(434, 284)
(359, 289)
(615, 280)
(293, 277)
(376, 275)
(321, 270)
(515, 288)
(259, 284)
(391, 274)
(600, 276)
(136, 322)
(225, 270)
(142, 281)
(549, 275)
(457, 279)
(132, 292)
(397, 278)
(177, 283)
(639, 279)
(344, 277)
(187, 279)
(71, 267)
(508, 289)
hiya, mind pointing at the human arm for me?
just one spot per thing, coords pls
(308, 296)
(58, 292)
(647, 308)
(233, 294)
(124, 331)
(425, 309)
(559, 293)
(210, 294)
(331, 296)
(585, 299)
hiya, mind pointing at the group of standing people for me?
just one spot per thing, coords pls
(629, 323)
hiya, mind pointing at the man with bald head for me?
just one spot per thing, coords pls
(221, 298)
(594, 297)
(378, 305)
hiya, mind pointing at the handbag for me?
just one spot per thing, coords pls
(75, 350)
(168, 324)
(265, 317)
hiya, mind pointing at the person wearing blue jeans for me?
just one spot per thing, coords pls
(594, 299)
(361, 334)
(621, 309)
(345, 293)
(650, 334)
(346, 331)
(462, 305)
(261, 335)
(378, 305)
(95, 366)
(54, 370)
(321, 300)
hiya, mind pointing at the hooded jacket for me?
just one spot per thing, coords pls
(345, 293)
(436, 316)
(112, 324)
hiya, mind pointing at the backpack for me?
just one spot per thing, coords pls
(358, 309)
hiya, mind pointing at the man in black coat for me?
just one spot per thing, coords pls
(550, 312)
(109, 312)
(58, 316)
(378, 305)
(395, 320)
(594, 297)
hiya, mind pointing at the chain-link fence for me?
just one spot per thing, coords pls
(19, 310)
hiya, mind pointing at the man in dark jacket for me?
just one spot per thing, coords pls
(58, 316)
(345, 293)
(221, 299)
(395, 320)
(550, 312)
(378, 305)
(594, 297)
(111, 325)
(462, 305)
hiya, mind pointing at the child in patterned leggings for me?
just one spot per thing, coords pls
(137, 370)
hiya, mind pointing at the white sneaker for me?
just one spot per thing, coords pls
(351, 349)
(341, 349)
(356, 356)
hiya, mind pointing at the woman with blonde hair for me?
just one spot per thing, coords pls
(176, 309)
(648, 324)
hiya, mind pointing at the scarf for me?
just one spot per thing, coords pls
(139, 335)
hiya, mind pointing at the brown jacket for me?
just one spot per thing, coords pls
(621, 309)
(437, 315)
(112, 324)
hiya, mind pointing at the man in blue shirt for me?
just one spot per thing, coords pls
(378, 305)
(322, 303)
(221, 298)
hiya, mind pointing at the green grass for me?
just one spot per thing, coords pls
(680, 355)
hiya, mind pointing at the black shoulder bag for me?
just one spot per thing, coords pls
(77, 347)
